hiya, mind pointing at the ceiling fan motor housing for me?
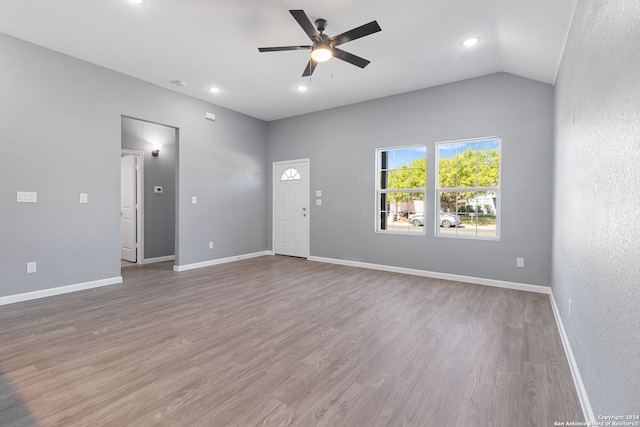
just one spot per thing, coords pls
(321, 24)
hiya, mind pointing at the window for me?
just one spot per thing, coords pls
(290, 174)
(468, 193)
(401, 180)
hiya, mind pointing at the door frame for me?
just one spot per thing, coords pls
(275, 179)
(139, 200)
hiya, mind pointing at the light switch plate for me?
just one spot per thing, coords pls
(31, 267)
(157, 189)
(194, 200)
(318, 202)
(84, 198)
(27, 197)
(318, 193)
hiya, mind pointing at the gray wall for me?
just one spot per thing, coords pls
(341, 144)
(159, 208)
(60, 135)
(596, 254)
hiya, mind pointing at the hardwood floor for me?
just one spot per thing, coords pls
(281, 341)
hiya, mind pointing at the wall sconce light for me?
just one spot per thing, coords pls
(156, 150)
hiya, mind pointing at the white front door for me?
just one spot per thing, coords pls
(291, 208)
(128, 196)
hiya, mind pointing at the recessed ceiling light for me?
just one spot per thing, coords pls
(136, 1)
(302, 88)
(214, 89)
(470, 42)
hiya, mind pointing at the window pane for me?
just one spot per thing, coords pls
(397, 178)
(467, 153)
(467, 176)
(400, 157)
(290, 175)
(447, 152)
(487, 215)
(447, 177)
(488, 175)
(405, 178)
(418, 153)
(488, 151)
(448, 201)
(467, 212)
(476, 214)
(418, 178)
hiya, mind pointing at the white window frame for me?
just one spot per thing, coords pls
(498, 205)
(379, 191)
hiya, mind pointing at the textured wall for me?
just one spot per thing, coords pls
(60, 136)
(341, 144)
(596, 235)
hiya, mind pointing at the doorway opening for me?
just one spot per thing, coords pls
(148, 189)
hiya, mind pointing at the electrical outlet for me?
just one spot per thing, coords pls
(520, 262)
(210, 245)
(31, 267)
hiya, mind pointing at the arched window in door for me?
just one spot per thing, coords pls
(290, 174)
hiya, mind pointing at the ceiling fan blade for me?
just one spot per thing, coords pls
(310, 67)
(281, 48)
(350, 58)
(356, 33)
(306, 24)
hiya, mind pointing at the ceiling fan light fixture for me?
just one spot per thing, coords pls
(321, 52)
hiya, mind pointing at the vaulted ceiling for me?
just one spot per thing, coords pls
(213, 43)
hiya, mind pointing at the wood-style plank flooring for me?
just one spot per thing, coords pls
(281, 341)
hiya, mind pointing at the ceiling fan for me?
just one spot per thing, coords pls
(324, 47)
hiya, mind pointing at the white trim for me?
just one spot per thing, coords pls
(43, 293)
(436, 275)
(158, 259)
(575, 373)
(209, 263)
(274, 181)
(139, 201)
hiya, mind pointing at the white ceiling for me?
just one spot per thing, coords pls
(214, 43)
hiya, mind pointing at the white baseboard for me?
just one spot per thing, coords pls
(11, 299)
(433, 274)
(158, 259)
(193, 266)
(587, 411)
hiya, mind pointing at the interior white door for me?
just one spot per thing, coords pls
(291, 208)
(128, 211)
